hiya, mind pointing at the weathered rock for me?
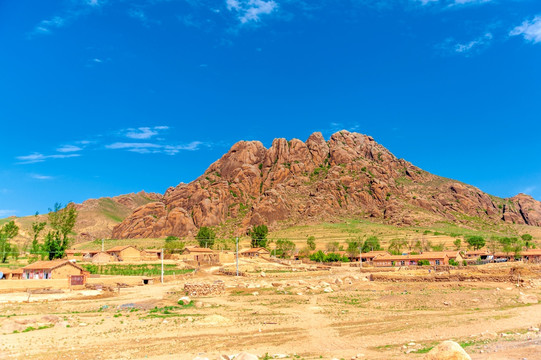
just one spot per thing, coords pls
(303, 182)
(447, 350)
(184, 300)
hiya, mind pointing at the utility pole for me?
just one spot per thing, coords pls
(237, 244)
(102, 245)
(361, 259)
(162, 266)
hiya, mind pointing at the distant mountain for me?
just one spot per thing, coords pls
(97, 217)
(296, 182)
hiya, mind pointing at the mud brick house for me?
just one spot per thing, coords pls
(369, 256)
(151, 254)
(55, 269)
(531, 256)
(5, 274)
(201, 255)
(125, 253)
(255, 252)
(455, 255)
(434, 258)
(477, 254)
(102, 258)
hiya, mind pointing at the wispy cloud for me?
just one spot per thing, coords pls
(38, 157)
(529, 30)
(144, 132)
(5, 213)
(41, 177)
(251, 10)
(468, 48)
(75, 10)
(153, 148)
(69, 148)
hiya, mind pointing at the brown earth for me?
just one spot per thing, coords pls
(295, 182)
(96, 217)
(285, 313)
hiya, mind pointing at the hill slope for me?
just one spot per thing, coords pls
(96, 218)
(296, 182)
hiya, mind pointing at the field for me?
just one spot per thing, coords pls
(287, 312)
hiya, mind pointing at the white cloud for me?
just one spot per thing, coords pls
(451, 3)
(37, 157)
(69, 148)
(467, 48)
(41, 177)
(6, 213)
(152, 148)
(46, 26)
(251, 10)
(529, 30)
(474, 44)
(144, 132)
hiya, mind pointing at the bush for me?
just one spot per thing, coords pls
(453, 262)
(171, 238)
(311, 242)
(423, 262)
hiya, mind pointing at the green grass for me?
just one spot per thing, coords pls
(134, 270)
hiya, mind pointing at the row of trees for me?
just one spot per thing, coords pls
(61, 221)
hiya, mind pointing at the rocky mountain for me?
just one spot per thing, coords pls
(296, 182)
(96, 218)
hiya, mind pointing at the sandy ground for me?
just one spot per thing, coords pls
(284, 314)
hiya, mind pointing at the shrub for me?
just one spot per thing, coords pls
(205, 236)
(453, 262)
(259, 235)
(171, 238)
(423, 262)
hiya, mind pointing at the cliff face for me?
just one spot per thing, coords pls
(296, 182)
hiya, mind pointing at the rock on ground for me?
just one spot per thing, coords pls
(447, 350)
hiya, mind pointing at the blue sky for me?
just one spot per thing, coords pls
(104, 97)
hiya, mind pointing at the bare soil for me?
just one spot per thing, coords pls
(286, 314)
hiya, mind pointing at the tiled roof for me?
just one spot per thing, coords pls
(49, 265)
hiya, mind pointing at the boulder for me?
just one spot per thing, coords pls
(246, 356)
(447, 350)
(184, 300)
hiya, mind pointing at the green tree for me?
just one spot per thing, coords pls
(396, 245)
(371, 244)
(457, 243)
(174, 247)
(354, 246)
(53, 245)
(527, 239)
(476, 241)
(15, 252)
(438, 247)
(62, 221)
(37, 228)
(311, 242)
(7, 233)
(284, 248)
(259, 236)
(205, 237)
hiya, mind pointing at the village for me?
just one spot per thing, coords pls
(215, 303)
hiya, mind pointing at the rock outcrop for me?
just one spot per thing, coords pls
(294, 182)
(447, 350)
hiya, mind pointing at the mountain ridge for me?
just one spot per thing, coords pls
(296, 182)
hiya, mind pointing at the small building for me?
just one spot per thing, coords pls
(256, 252)
(477, 254)
(102, 258)
(151, 254)
(125, 253)
(55, 269)
(201, 255)
(371, 255)
(455, 255)
(17, 274)
(531, 255)
(500, 256)
(5, 274)
(433, 258)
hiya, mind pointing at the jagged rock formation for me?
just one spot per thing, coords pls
(293, 182)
